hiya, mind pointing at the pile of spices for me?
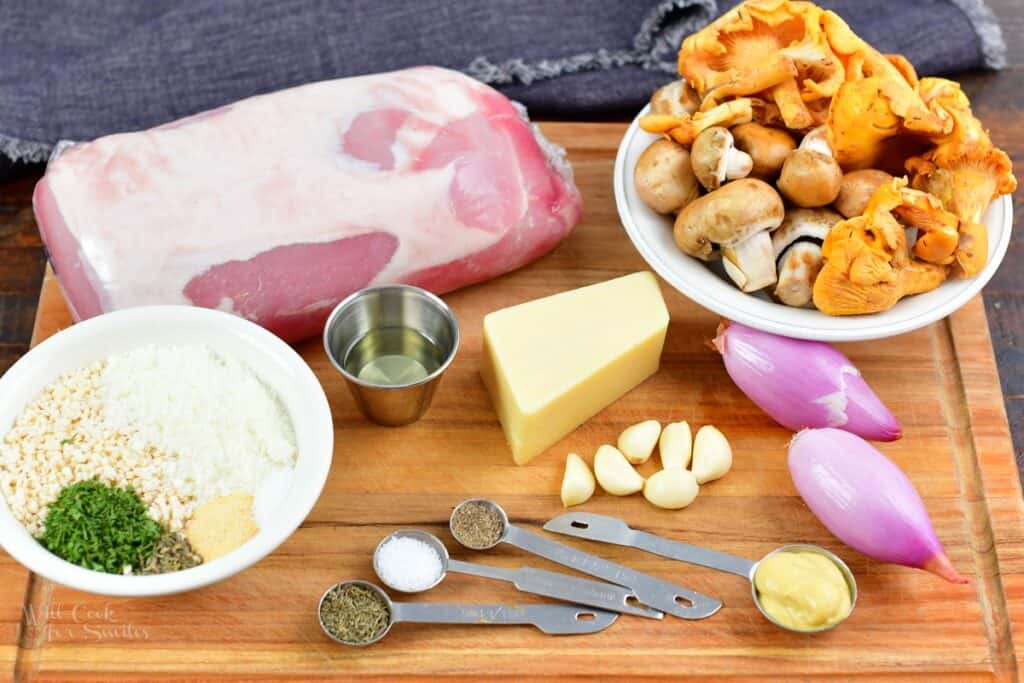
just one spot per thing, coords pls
(408, 564)
(170, 554)
(100, 527)
(477, 525)
(354, 614)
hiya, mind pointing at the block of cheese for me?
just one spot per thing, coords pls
(553, 363)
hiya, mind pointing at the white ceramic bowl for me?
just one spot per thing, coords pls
(276, 363)
(651, 233)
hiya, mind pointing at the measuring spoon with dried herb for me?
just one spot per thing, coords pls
(361, 613)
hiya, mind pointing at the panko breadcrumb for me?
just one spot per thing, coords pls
(61, 438)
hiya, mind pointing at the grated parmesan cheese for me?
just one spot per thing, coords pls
(223, 430)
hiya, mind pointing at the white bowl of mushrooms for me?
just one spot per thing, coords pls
(735, 220)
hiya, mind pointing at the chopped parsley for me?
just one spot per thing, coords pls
(100, 527)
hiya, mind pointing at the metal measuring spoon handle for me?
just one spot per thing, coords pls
(607, 529)
(551, 619)
(661, 595)
(561, 587)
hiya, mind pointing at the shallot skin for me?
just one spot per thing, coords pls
(866, 500)
(802, 383)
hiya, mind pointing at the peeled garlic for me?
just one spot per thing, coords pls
(674, 445)
(614, 473)
(672, 489)
(577, 482)
(712, 456)
(637, 442)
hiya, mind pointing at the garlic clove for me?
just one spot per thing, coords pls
(614, 473)
(675, 445)
(712, 455)
(637, 441)
(577, 482)
(672, 489)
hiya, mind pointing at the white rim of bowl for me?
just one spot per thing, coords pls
(853, 332)
(44, 563)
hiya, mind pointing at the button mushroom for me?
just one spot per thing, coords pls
(738, 217)
(856, 189)
(675, 99)
(810, 176)
(797, 248)
(767, 147)
(664, 177)
(715, 158)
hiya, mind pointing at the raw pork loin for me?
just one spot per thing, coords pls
(278, 206)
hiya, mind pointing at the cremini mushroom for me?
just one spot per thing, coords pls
(664, 177)
(737, 217)
(796, 245)
(715, 159)
(767, 147)
(856, 189)
(675, 99)
(810, 176)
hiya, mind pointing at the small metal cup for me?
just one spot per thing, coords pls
(391, 306)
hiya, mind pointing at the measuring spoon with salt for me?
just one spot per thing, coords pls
(605, 529)
(527, 579)
(551, 619)
(661, 595)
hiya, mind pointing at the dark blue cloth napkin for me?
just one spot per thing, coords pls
(78, 69)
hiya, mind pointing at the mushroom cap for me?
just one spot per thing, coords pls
(767, 147)
(797, 270)
(856, 189)
(810, 178)
(808, 225)
(714, 157)
(727, 216)
(675, 99)
(817, 140)
(664, 177)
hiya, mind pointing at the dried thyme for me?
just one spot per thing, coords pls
(171, 553)
(354, 614)
(477, 525)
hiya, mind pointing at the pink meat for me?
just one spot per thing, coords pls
(278, 206)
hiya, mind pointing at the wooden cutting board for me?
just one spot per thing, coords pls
(941, 381)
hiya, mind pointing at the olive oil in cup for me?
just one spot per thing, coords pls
(392, 343)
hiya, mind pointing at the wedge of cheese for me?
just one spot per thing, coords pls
(552, 364)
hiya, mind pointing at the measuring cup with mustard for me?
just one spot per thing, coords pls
(800, 588)
(361, 613)
(481, 524)
(527, 579)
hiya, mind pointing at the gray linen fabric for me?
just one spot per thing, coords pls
(78, 69)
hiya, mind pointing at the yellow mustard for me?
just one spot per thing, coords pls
(802, 590)
(221, 525)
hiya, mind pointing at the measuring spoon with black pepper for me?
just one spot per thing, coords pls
(551, 619)
(527, 579)
(487, 517)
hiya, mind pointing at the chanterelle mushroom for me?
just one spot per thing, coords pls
(964, 170)
(664, 177)
(715, 158)
(810, 176)
(738, 217)
(796, 245)
(868, 267)
(683, 129)
(876, 102)
(766, 146)
(774, 47)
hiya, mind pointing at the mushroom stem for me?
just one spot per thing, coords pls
(737, 164)
(751, 263)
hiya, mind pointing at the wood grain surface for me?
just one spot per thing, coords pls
(997, 97)
(941, 381)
